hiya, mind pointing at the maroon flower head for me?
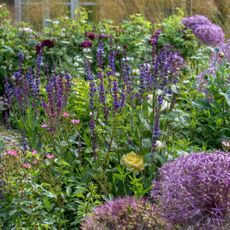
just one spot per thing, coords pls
(90, 35)
(86, 44)
(47, 43)
(43, 43)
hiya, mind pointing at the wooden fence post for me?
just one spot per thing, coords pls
(73, 5)
(18, 10)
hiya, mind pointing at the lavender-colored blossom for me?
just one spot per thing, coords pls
(99, 54)
(57, 89)
(92, 86)
(116, 104)
(210, 34)
(156, 130)
(154, 38)
(193, 190)
(123, 97)
(143, 81)
(124, 213)
(194, 21)
(102, 36)
(111, 58)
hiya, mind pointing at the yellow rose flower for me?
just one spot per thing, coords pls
(133, 161)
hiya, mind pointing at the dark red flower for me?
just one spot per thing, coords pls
(47, 43)
(90, 35)
(86, 44)
(43, 43)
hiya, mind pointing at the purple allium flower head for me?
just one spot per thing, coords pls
(124, 213)
(193, 190)
(194, 21)
(86, 44)
(210, 34)
(90, 35)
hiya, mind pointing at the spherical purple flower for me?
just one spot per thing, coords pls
(194, 21)
(86, 44)
(124, 213)
(210, 34)
(194, 190)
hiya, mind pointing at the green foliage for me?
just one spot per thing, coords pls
(57, 191)
(174, 33)
(202, 111)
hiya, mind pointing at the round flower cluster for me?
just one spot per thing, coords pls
(204, 30)
(194, 21)
(194, 190)
(124, 213)
(210, 34)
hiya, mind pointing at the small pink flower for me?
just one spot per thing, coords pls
(34, 152)
(75, 122)
(44, 126)
(26, 165)
(50, 155)
(65, 114)
(12, 152)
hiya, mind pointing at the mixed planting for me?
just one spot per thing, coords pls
(122, 126)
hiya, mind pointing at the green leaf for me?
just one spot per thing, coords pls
(46, 203)
(146, 143)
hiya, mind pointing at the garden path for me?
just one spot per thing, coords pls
(8, 137)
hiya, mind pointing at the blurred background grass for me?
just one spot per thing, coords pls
(117, 10)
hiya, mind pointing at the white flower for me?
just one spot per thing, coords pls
(26, 30)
